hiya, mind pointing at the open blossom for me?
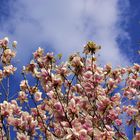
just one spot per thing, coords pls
(6, 39)
(58, 107)
(48, 57)
(24, 85)
(7, 70)
(4, 42)
(130, 110)
(103, 102)
(6, 108)
(130, 92)
(107, 68)
(14, 121)
(137, 137)
(88, 74)
(118, 110)
(72, 105)
(62, 69)
(56, 80)
(76, 61)
(7, 55)
(98, 77)
(22, 136)
(116, 97)
(38, 53)
(31, 67)
(88, 125)
(113, 115)
(50, 94)
(91, 48)
(107, 134)
(136, 67)
(123, 70)
(118, 122)
(111, 82)
(22, 96)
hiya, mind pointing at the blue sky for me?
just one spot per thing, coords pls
(134, 28)
(65, 26)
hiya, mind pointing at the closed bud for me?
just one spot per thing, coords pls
(14, 44)
(6, 39)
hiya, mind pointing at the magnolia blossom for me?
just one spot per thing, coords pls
(38, 96)
(24, 85)
(58, 107)
(4, 42)
(6, 39)
(22, 136)
(130, 110)
(22, 96)
(76, 61)
(9, 70)
(38, 53)
(8, 54)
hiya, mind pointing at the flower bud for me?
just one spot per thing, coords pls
(14, 44)
(6, 39)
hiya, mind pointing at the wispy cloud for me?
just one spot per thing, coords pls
(66, 25)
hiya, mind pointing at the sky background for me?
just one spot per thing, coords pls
(64, 26)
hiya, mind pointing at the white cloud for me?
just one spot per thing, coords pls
(66, 25)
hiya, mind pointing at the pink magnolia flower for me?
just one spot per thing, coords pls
(76, 61)
(88, 75)
(9, 70)
(88, 126)
(24, 85)
(38, 96)
(103, 102)
(56, 80)
(108, 67)
(123, 70)
(116, 97)
(58, 107)
(131, 82)
(137, 137)
(112, 115)
(22, 96)
(83, 134)
(7, 55)
(38, 53)
(111, 82)
(4, 42)
(62, 69)
(136, 67)
(22, 136)
(51, 94)
(72, 106)
(118, 122)
(130, 110)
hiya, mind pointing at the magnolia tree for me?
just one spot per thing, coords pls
(73, 100)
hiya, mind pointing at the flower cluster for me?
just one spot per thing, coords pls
(72, 100)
